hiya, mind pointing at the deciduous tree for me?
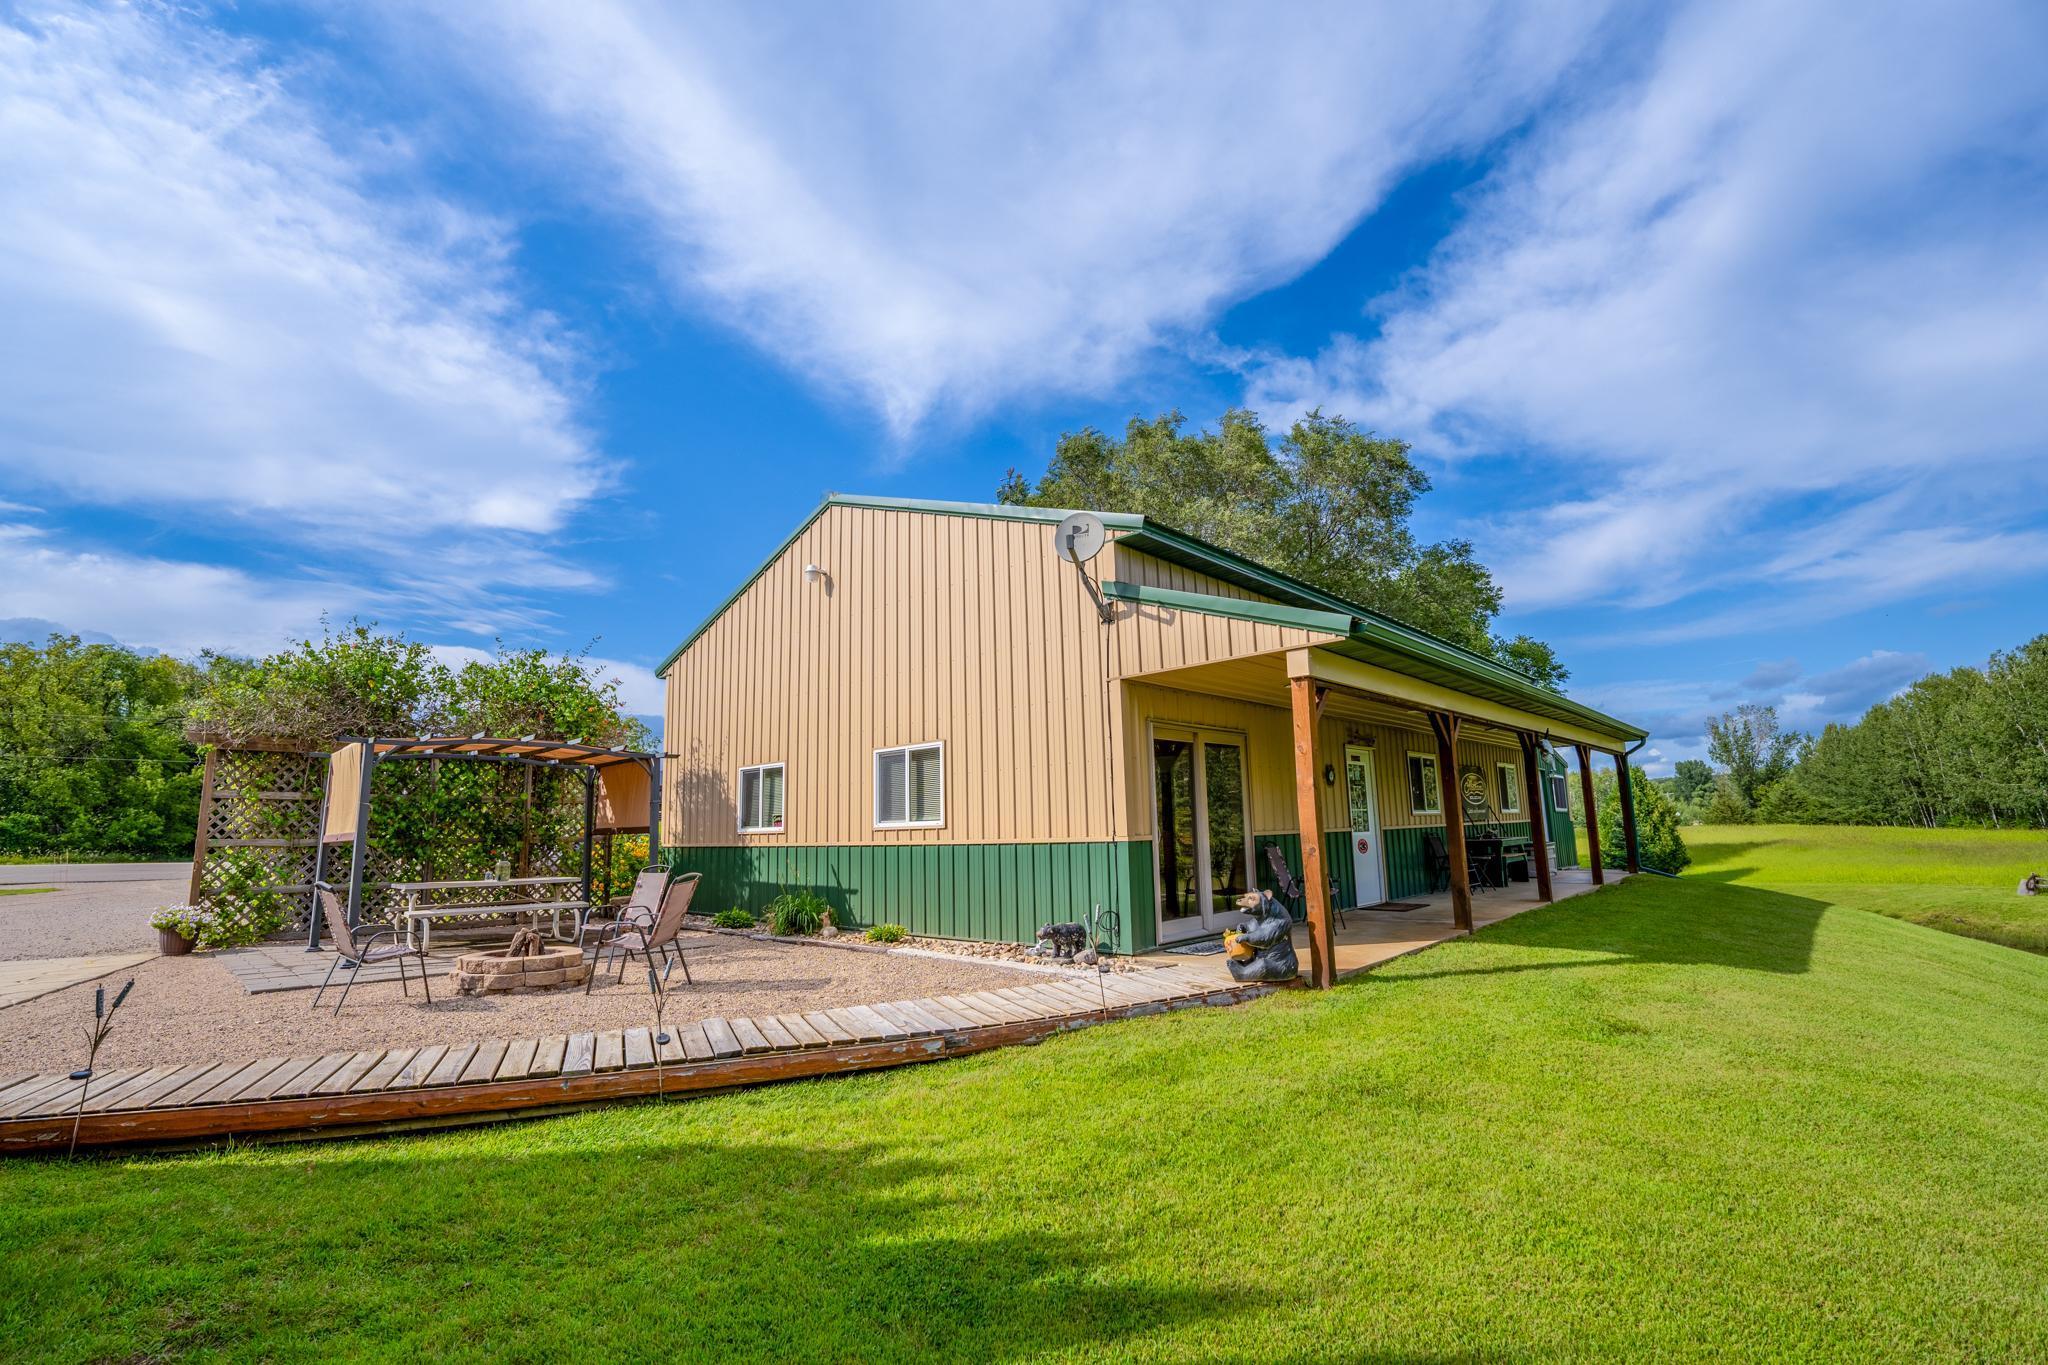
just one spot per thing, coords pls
(1326, 503)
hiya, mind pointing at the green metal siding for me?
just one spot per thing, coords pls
(1563, 832)
(992, 892)
(1408, 870)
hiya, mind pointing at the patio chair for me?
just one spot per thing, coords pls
(637, 911)
(626, 939)
(357, 950)
(1291, 894)
(1436, 861)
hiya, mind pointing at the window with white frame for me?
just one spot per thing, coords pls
(1425, 791)
(910, 786)
(1560, 794)
(1510, 788)
(761, 799)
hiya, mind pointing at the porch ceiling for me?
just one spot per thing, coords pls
(1263, 679)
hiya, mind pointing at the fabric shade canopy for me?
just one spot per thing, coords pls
(622, 790)
(624, 776)
(345, 777)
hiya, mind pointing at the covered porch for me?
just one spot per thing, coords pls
(1378, 765)
(1367, 938)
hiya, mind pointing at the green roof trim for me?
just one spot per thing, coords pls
(1236, 608)
(1373, 638)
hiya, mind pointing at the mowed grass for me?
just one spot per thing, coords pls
(1964, 881)
(1677, 1118)
(23, 890)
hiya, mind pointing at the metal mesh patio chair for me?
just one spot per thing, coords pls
(636, 912)
(1291, 893)
(626, 939)
(358, 950)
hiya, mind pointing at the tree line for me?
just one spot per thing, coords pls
(94, 756)
(1325, 502)
(1968, 747)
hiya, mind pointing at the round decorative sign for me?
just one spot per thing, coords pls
(1364, 847)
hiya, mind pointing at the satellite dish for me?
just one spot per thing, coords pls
(1079, 538)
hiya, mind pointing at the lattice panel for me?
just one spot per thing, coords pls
(262, 830)
(429, 821)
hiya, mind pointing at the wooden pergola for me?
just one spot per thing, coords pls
(1312, 675)
(621, 791)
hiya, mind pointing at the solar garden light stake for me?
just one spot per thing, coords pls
(102, 1025)
(660, 990)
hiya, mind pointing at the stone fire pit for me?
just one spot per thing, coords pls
(528, 965)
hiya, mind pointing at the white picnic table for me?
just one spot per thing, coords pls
(419, 919)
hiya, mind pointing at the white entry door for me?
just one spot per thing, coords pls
(1368, 868)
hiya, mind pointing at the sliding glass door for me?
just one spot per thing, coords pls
(1201, 829)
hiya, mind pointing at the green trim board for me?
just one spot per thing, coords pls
(997, 893)
(1373, 638)
(1235, 608)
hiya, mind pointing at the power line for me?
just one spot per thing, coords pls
(93, 758)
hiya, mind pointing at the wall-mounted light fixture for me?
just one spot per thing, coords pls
(1329, 774)
(812, 573)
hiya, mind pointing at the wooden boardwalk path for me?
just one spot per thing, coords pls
(376, 1090)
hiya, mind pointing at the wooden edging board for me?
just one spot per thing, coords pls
(457, 1085)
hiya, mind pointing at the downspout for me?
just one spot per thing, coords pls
(1628, 757)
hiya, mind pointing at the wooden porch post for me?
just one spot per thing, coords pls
(1446, 727)
(1628, 814)
(1322, 962)
(1592, 813)
(1539, 822)
(204, 836)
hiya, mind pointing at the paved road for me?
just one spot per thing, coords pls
(69, 874)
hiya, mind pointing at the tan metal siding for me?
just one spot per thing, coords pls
(961, 630)
(1148, 639)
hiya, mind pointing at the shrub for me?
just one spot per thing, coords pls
(887, 933)
(734, 918)
(256, 923)
(1661, 845)
(794, 914)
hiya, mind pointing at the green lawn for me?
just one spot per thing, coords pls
(1687, 1119)
(1962, 880)
(23, 890)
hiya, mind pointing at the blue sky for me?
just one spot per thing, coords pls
(1722, 329)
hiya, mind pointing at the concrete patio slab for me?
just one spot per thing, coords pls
(28, 980)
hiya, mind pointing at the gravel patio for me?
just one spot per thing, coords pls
(186, 1009)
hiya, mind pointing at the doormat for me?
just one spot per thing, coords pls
(1205, 948)
(1397, 907)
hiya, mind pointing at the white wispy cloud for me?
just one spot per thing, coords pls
(942, 207)
(1798, 258)
(205, 303)
(1676, 710)
(175, 606)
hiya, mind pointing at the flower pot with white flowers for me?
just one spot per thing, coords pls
(178, 928)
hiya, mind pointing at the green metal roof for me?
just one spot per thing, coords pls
(1373, 638)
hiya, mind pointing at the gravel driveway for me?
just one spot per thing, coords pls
(85, 918)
